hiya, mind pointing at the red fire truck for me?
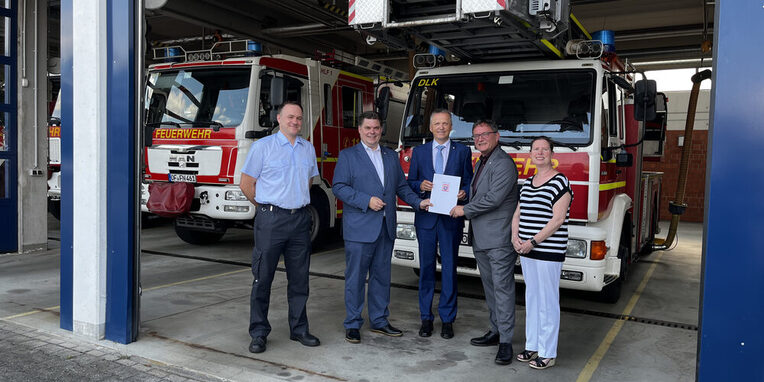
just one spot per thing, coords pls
(54, 160)
(584, 104)
(204, 110)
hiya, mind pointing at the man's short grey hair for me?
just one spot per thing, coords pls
(486, 122)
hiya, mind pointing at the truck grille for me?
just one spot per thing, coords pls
(199, 223)
(54, 150)
(183, 162)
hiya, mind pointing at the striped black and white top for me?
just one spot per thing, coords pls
(536, 211)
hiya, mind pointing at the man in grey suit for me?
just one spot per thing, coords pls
(493, 199)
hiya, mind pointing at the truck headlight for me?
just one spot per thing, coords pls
(144, 193)
(235, 195)
(576, 248)
(405, 231)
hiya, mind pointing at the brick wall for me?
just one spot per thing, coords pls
(696, 175)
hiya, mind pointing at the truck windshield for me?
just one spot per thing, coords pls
(198, 97)
(56, 114)
(524, 105)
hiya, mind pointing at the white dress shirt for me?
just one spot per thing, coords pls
(376, 158)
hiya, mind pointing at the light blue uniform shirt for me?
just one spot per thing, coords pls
(282, 170)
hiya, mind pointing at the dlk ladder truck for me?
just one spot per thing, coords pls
(203, 110)
(508, 61)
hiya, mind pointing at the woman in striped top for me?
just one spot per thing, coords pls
(540, 236)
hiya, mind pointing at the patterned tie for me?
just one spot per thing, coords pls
(439, 159)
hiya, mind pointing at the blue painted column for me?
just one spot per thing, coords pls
(99, 169)
(123, 173)
(66, 270)
(730, 343)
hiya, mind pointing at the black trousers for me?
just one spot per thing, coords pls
(280, 232)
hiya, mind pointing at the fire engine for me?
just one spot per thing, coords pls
(54, 160)
(203, 110)
(519, 76)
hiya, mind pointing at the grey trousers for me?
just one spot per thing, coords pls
(497, 271)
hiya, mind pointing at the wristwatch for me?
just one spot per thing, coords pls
(533, 241)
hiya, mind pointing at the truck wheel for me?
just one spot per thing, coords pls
(54, 207)
(319, 214)
(198, 237)
(611, 293)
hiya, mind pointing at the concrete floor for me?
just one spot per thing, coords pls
(194, 314)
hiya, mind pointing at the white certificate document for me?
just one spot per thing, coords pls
(443, 195)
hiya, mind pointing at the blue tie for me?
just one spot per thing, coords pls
(439, 159)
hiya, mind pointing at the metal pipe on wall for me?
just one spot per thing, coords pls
(36, 169)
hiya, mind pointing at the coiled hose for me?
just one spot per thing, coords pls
(677, 206)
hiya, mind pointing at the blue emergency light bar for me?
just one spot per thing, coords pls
(220, 50)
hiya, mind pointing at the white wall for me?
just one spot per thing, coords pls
(677, 109)
(32, 189)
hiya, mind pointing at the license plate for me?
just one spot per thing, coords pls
(182, 178)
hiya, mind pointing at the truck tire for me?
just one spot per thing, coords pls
(197, 237)
(54, 207)
(319, 213)
(611, 293)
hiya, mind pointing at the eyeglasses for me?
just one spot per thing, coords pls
(483, 135)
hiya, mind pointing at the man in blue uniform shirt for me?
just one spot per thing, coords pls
(276, 178)
(436, 231)
(367, 180)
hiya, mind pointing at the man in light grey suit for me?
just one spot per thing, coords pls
(493, 199)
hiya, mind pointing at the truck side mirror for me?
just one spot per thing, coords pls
(645, 92)
(278, 95)
(148, 135)
(382, 102)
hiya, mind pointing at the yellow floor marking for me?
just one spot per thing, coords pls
(196, 279)
(594, 361)
(30, 313)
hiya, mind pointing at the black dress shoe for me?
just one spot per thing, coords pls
(426, 329)
(488, 339)
(306, 339)
(447, 330)
(353, 336)
(504, 356)
(388, 330)
(257, 345)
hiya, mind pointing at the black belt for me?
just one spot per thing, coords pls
(271, 207)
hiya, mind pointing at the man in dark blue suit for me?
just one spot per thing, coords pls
(433, 231)
(367, 180)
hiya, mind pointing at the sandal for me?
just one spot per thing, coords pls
(540, 364)
(527, 355)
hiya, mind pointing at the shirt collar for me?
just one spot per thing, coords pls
(435, 144)
(379, 147)
(283, 140)
(483, 158)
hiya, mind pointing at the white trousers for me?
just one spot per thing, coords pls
(542, 305)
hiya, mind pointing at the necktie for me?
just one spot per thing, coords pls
(439, 159)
